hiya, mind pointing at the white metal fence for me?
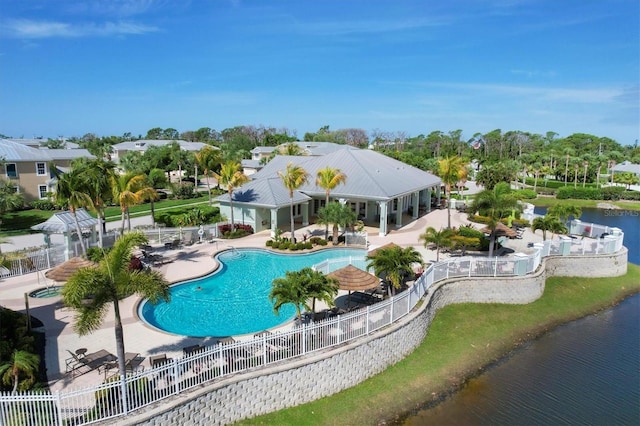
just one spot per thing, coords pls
(104, 401)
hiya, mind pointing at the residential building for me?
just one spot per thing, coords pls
(29, 168)
(142, 145)
(378, 188)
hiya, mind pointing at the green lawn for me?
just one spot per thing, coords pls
(19, 223)
(463, 340)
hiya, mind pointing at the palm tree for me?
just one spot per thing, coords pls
(495, 204)
(395, 263)
(290, 149)
(98, 175)
(232, 177)
(441, 238)
(155, 179)
(72, 190)
(450, 170)
(546, 223)
(22, 364)
(564, 212)
(91, 291)
(568, 152)
(319, 286)
(328, 178)
(290, 289)
(9, 199)
(337, 214)
(208, 158)
(129, 190)
(293, 178)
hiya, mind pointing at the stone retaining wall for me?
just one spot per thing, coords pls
(322, 374)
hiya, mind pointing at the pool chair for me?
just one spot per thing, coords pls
(188, 239)
(80, 364)
(158, 360)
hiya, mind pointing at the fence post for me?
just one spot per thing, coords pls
(264, 348)
(495, 267)
(175, 377)
(367, 322)
(304, 339)
(59, 408)
(48, 252)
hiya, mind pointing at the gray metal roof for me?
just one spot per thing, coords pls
(144, 144)
(15, 151)
(627, 166)
(64, 222)
(269, 193)
(370, 174)
(69, 154)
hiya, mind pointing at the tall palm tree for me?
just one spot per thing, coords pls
(395, 263)
(209, 159)
(91, 291)
(450, 170)
(546, 223)
(496, 204)
(22, 364)
(98, 175)
(290, 289)
(440, 239)
(328, 178)
(72, 190)
(568, 152)
(339, 215)
(293, 178)
(129, 190)
(232, 177)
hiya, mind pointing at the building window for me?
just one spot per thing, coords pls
(42, 191)
(41, 169)
(12, 170)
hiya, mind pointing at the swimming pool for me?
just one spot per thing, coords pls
(235, 298)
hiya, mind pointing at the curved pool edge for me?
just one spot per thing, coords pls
(217, 265)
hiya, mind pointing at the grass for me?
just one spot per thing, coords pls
(20, 222)
(462, 342)
(550, 201)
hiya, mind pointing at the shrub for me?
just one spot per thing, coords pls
(322, 242)
(269, 243)
(525, 194)
(184, 191)
(43, 205)
(308, 245)
(95, 254)
(202, 214)
(579, 193)
(612, 193)
(630, 195)
(275, 244)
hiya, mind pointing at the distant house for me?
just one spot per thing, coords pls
(40, 143)
(29, 168)
(378, 188)
(142, 145)
(627, 167)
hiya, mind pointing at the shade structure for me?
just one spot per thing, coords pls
(354, 279)
(64, 271)
(373, 252)
(501, 229)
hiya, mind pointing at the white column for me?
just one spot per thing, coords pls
(383, 218)
(305, 214)
(274, 222)
(399, 212)
(416, 204)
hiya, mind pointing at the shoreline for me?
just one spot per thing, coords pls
(453, 352)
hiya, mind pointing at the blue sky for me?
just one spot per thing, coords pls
(70, 67)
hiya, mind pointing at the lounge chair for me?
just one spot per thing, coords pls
(78, 364)
(188, 240)
(158, 360)
(132, 363)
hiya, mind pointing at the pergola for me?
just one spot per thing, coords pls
(64, 223)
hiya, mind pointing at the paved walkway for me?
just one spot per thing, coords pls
(190, 262)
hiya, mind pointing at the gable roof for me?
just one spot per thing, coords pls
(16, 151)
(370, 174)
(64, 222)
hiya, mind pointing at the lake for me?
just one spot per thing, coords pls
(586, 372)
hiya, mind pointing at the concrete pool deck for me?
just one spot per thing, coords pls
(189, 262)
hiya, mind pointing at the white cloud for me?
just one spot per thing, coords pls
(30, 29)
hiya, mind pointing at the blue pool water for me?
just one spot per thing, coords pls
(235, 298)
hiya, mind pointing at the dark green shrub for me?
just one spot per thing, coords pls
(95, 254)
(612, 193)
(308, 245)
(293, 247)
(185, 191)
(579, 193)
(43, 205)
(275, 245)
(322, 242)
(525, 194)
(630, 195)
(269, 243)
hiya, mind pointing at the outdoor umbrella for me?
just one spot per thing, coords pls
(373, 252)
(64, 271)
(354, 279)
(501, 229)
